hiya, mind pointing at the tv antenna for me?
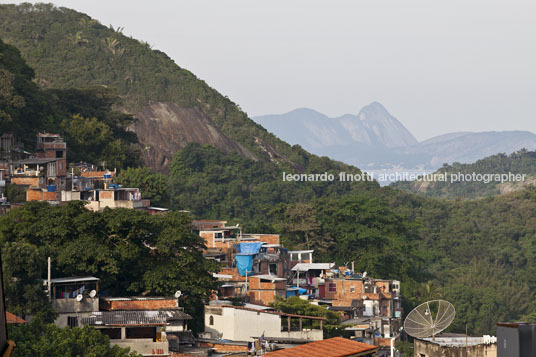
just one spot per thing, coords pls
(429, 319)
(178, 294)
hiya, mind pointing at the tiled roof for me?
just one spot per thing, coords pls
(333, 347)
(125, 318)
(13, 319)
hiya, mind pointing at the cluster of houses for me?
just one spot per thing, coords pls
(255, 270)
(44, 176)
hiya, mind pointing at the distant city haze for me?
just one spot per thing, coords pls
(439, 66)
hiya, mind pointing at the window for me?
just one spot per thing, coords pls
(272, 269)
(211, 320)
(352, 289)
(332, 287)
(59, 154)
(218, 235)
(72, 321)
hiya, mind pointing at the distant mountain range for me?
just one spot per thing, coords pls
(375, 140)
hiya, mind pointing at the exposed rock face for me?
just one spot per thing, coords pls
(164, 128)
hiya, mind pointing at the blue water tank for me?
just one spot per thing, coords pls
(51, 188)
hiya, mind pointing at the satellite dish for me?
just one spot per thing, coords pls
(92, 293)
(364, 274)
(364, 297)
(429, 319)
(178, 294)
(79, 297)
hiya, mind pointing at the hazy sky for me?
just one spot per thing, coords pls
(438, 66)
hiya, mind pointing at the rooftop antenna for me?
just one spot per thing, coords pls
(178, 294)
(429, 319)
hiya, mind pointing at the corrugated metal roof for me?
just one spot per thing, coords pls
(333, 347)
(34, 160)
(271, 278)
(312, 266)
(73, 279)
(123, 318)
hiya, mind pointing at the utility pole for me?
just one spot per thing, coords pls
(49, 280)
(466, 340)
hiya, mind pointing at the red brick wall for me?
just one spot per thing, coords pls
(347, 296)
(33, 182)
(223, 348)
(138, 304)
(106, 195)
(34, 195)
(234, 273)
(51, 196)
(269, 238)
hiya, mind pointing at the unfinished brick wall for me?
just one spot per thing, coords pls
(269, 238)
(264, 292)
(51, 196)
(344, 289)
(34, 195)
(137, 304)
(106, 195)
(33, 182)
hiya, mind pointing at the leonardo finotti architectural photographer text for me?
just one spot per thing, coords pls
(405, 176)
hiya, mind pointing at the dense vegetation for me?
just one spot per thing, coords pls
(480, 254)
(294, 305)
(521, 162)
(40, 339)
(93, 130)
(132, 252)
(228, 186)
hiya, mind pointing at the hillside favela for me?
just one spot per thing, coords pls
(167, 189)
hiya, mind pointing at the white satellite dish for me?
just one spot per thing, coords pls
(79, 297)
(364, 274)
(92, 293)
(364, 297)
(178, 294)
(429, 318)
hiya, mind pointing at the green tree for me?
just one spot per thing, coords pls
(40, 339)
(131, 251)
(154, 186)
(23, 283)
(297, 306)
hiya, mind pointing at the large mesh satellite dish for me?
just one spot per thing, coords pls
(429, 319)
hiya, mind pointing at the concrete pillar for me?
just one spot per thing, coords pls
(123, 333)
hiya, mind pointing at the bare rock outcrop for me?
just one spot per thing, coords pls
(165, 128)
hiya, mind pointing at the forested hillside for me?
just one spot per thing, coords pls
(68, 49)
(93, 130)
(521, 162)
